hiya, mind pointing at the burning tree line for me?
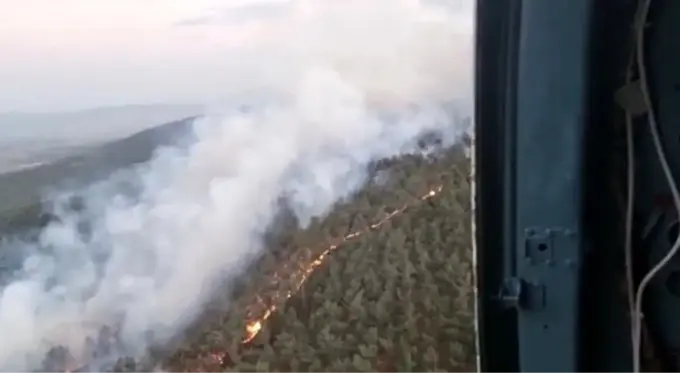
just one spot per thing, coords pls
(396, 296)
(383, 283)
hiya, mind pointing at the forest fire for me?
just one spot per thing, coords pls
(253, 328)
(299, 277)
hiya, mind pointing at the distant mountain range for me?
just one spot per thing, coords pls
(22, 190)
(29, 139)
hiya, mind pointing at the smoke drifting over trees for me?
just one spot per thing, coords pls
(332, 88)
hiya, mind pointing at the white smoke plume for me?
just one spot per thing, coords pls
(331, 87)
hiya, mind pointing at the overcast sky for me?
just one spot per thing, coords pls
(70, 54)
(60, 55)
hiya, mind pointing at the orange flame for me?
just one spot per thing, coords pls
(253, 328)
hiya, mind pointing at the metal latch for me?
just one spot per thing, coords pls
(518, 293)
(511, 292)
(537, 257)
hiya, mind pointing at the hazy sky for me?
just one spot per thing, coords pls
(70, 54)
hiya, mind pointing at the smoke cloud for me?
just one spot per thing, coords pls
(320, 93)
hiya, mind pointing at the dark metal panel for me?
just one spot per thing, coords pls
(605, 325)
(551, 113)
(496, 56)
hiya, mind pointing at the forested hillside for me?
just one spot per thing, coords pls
(383, 283)
(395, 297)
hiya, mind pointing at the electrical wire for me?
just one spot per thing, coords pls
(628, 238)
(630, 192)
(641, 19)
